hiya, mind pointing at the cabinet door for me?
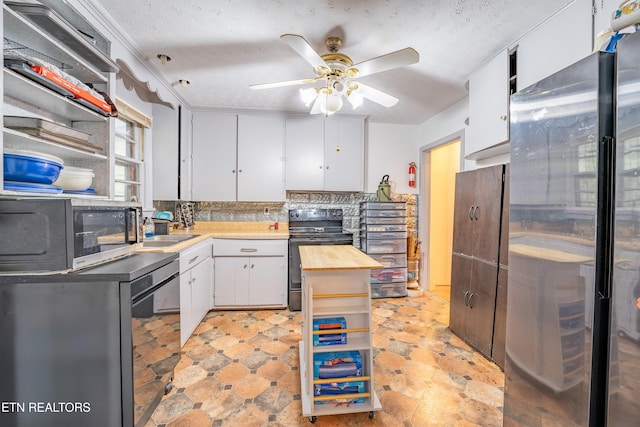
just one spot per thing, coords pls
(489, 104)
(260, 158)
(464, 203)
(165, 153)
(201, 276)
(268, 284)
(186, 319)
(304, 153)
(343, 154)
(229, 277)
(487, 213)
(481, 306)
(460, 277)
(214, 157)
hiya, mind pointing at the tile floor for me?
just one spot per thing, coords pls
(240, 368)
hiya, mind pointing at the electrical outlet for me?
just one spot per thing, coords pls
(266, 211)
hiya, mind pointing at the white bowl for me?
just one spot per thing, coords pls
(75, 179)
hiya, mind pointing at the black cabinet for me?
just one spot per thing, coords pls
(477, 299)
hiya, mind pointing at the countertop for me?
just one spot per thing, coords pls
(223, 230)
(335, 257)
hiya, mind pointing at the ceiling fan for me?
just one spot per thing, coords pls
(339, 74)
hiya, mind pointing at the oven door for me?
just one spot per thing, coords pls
(295, 272)
(155, 340)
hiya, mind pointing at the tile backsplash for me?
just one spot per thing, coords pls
(274, 211)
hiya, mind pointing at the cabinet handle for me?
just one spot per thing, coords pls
(471, 295)
(233, 171)
(252, 265)
(248, 250)
(466, 294)
(471, 213)
(475, 213)
(193, 280)
(320, 166)
(245, 266)
(503, 117)
(192, 260)
(239, 170)
(327, 167)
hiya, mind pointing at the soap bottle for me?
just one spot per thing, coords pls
(149, 228)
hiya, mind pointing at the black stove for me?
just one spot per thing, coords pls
(311, 227)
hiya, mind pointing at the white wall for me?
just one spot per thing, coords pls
(444, 124)
(390, 148)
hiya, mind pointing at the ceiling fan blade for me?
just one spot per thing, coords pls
(316, 108)
(282, 84)
(376, 95)
(392, 60)
(304, 49)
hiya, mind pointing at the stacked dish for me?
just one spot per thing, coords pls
(31, 171)
(74, 179)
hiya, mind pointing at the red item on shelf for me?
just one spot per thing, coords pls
(77, 92)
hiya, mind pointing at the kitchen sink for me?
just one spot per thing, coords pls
(161, 241)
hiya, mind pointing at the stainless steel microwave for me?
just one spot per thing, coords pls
(38, 235)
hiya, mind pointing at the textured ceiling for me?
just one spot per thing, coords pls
(222, 47)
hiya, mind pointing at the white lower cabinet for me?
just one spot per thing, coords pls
(250, 273)
(196, 275)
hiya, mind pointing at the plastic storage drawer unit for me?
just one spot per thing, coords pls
(391, 260)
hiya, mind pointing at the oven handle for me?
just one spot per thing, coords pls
(154, 288)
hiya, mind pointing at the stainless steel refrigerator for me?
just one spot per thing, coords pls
(573, 308)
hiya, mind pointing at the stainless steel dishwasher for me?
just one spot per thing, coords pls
(88, 348)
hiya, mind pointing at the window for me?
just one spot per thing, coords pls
(130, 128)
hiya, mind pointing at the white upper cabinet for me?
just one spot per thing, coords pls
(165, 153)
(324, 154)
(344, 154)
(237, 158)
(213, 157)
(260, 158)
(489, 104)
(304, 153)
(559, 42)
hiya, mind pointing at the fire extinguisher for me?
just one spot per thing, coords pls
(412, 174)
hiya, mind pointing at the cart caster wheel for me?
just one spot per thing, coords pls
(313, 419)
(372, 415)
(167, 388)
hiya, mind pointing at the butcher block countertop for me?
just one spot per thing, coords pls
(335, 257)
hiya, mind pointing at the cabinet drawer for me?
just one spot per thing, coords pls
(383, 214)
(383, 205)
(389, 275)
(391, 260)
(388, 290)
(194, 255)
(229, 247)
(383, 220)
(381, 228)
(384, 246)
(391, 235)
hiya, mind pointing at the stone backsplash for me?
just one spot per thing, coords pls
(273, 211)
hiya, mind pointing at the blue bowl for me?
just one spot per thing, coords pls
(30, 169)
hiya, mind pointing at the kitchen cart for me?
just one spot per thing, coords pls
(336, 285)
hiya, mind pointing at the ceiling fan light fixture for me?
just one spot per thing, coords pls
(355, 99)
(308, 95)
(332, 103)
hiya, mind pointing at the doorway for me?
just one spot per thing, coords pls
(440, 164)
